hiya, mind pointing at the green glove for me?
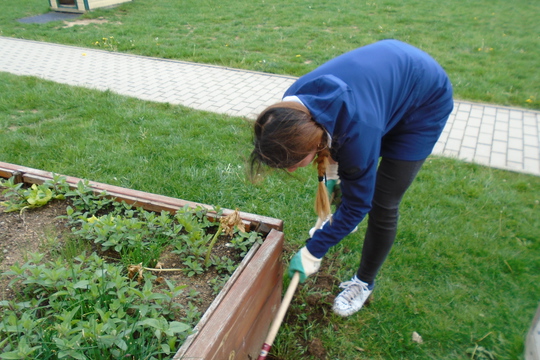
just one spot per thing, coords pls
(305, 263)
(330, 184)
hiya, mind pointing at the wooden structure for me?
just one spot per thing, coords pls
(236, 323)
(82, 6)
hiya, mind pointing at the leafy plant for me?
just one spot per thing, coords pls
(225, 265)
(193, 266)
(20, 199)
(112, 231)
(86, 201)
(89, 309)
(481, 353)
(217, 283)
(243, 241)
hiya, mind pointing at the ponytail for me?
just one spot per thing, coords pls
(322, 201)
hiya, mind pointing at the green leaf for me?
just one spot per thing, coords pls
(165, 348)
(82, 284)
(177, 327)
(155, 323)
(11, 355)
(72, 354)
(121, 344)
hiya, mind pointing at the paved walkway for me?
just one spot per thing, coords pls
(497, 136)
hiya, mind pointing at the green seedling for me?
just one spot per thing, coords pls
(244, 241)
(20, 199)
(193, 295)
(225, 265)
(192, 313)
(193, 266)
(218, 283)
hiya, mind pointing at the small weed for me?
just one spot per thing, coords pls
(71, 248)
(192, 314)
(108, 43)
(20, 199)
(225, 265)
(218, 283)
(193, 294)
(481, 353)
(193, 266)
(146, 254)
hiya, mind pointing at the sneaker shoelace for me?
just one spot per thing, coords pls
(352, 288)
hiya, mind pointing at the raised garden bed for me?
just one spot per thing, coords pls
(235, 324)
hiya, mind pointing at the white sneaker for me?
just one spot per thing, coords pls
(352, 298)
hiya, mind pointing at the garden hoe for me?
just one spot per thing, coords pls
(279, 316)
(283, 308)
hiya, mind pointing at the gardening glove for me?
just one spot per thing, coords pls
(332, 179)
(305, 263)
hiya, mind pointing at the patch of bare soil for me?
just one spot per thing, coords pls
(26, 232)
(40, 230)
(84, 22)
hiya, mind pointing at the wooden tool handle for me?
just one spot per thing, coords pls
(279, 316)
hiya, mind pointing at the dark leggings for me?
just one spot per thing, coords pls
(393, 179)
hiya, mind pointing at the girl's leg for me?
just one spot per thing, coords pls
(393, 179)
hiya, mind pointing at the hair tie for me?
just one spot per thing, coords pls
(321, 178)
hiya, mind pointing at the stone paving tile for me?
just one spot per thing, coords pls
(496, 136)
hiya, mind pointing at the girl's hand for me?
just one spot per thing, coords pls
(305, 263)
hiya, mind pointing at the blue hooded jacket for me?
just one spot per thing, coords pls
(385, 99)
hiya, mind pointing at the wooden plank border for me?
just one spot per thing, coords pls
(148, 201)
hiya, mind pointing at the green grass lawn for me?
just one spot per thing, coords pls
(490, 48)
(464, 272)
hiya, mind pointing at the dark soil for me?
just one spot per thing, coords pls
(28, 232)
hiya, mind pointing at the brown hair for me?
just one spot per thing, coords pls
(285, 134)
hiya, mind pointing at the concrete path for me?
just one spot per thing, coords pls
(496, 136)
